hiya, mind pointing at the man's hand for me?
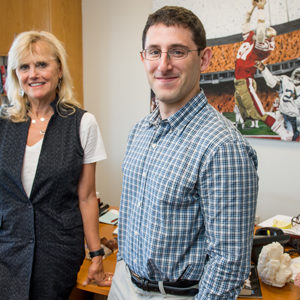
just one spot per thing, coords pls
(259, 65)
(97, 275)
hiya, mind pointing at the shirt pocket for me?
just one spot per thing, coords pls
(177, 188)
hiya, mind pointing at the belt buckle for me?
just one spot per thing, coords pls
(142, 281)
(135, 275)
(145, 285)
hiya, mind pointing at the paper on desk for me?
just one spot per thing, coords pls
(111, 217)
(269, 223)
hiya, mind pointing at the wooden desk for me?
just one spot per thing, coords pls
(288, 292)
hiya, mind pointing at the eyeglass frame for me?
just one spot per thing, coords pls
(143, 52)
(295, 220)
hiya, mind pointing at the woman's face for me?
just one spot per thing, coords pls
(39, 73)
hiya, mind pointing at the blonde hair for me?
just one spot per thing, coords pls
(18, 105)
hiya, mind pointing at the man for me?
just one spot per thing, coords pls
(255, 47)
(189, 179)
(289, 96)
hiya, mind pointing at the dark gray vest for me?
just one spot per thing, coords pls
(45, 229)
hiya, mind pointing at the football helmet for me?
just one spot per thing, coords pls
(296, 76)
(270, 32)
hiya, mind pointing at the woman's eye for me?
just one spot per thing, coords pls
(41, 65)
(23, 67)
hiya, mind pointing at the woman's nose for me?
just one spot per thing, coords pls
(32, 72)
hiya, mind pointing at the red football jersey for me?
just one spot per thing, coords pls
(249, 52)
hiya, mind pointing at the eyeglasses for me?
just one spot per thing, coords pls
(173, 53)
(295, 220)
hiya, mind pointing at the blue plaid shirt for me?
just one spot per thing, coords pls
(188, 200)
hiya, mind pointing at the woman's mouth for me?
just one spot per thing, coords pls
(34, 84)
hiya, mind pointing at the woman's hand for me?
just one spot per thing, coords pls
(97, 275)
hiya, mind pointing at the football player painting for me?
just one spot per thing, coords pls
(289, 97)
(256, 46)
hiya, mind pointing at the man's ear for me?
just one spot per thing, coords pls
(206, 55)
(142, 58)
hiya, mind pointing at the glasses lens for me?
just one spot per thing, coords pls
(178, 53)
(296, 220)
(152, 54)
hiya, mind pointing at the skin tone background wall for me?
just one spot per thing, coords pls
(117, 92)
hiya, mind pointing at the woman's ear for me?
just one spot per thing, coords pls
(206, 55)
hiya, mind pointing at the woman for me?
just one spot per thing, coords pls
(48, 153)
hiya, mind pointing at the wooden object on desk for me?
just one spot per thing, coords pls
(109, 264)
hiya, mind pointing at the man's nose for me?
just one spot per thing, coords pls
(164, 61)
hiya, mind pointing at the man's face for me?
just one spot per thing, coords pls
(297, 78)
(174, 82)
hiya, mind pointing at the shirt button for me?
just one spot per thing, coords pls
(136, 233)
(135, 260)
(140, 204)
(144, 174)
(154, 146)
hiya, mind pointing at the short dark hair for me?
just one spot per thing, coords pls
(175, 15)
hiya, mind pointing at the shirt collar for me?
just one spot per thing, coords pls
(182, 116)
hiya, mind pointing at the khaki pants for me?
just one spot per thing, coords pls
(122, 288)
(247, 100)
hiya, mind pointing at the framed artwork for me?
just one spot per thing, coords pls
(252, 80)
(220, 80)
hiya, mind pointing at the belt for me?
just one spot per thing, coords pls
(179, 287)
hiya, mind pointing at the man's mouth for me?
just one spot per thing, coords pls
(166, 78)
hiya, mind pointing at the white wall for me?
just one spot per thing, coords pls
(117, 92)
(115, 86)
(278, 169)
